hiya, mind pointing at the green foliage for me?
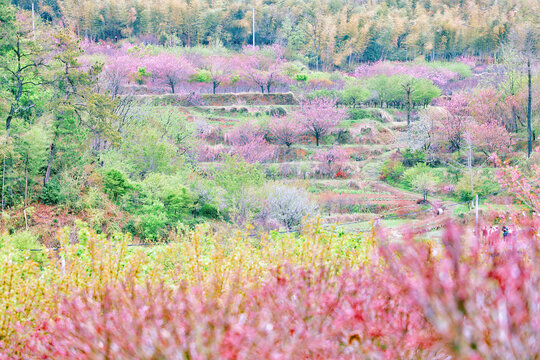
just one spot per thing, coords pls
(483, 185)
(240, 182)
(141, 76)
(179, 203)
(387, 88)
(23, 242)
(423, 91)
(323, 93)
(354, 95)
(359, 114)
(411, 158)
(412, 173)
(51, 194)
(392, 171)
(301, 77)
(153, 226)
(209, 211)
(115, 184)
(424, 183)
(202, 76)
(462, 69)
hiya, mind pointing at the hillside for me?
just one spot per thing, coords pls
(353, 180)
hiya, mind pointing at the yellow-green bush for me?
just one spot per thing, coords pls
(216, 261)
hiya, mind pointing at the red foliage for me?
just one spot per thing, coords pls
(341, 174)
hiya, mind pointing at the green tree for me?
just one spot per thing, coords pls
(239, 181)
(22, 76)
(354, 95)
(115, 184)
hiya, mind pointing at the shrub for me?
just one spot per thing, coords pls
(301, 77)
(359, 114)
(153, 226)
(23, 242)
(209, 211)
(411, 158)
(51, 194)
(141, 76)
(277, 112)
(341, 175)
(392, 171)
(179, 203)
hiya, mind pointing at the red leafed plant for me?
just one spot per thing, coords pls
(341, 174)
(524, 185)
(481, 300)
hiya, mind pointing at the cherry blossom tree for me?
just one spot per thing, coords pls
(169, 70)
(490, 137)
(488, 106)
(332, 160)
(285, 130)
(454, 122)
(248, 141)
(289, 205)
(263, 68)
(220, 70)
(319, 116)
(116, 72)
(523, 184)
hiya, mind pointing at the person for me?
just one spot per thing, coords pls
(505, 231)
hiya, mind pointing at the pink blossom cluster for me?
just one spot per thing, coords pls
(440, 77)
(468, 60)
(248, 141)
(483, 117)
(319, 116)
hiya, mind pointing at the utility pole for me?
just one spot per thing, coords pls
(529, 104)
(253, 26)
(33, 22)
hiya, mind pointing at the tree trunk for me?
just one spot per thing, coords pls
(214, 87)
(52, 153)
(3, 181)
(529, 101)
(25, 205)
(317, 139)
(26, 182)
(469, 164)
(408, 92)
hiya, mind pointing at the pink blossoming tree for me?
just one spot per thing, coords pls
(319, 116)
(169, 70)
(285, 130)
